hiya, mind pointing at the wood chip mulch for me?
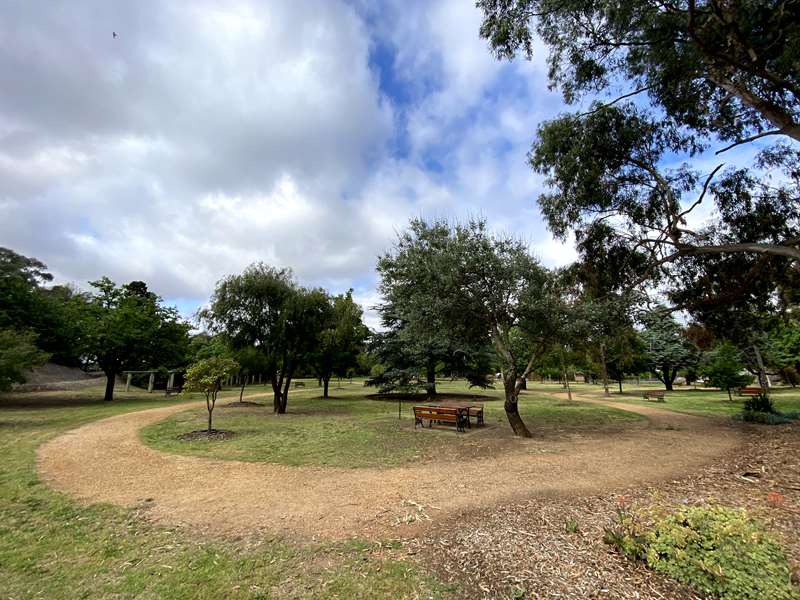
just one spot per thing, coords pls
(526, 549)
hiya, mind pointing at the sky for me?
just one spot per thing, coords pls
(301, 133)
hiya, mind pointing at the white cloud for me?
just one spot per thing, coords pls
(210, 135)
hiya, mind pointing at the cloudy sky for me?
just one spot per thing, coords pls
(208, 135)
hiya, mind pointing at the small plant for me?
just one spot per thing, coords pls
(206, 376)
(719, 551)
(518, 593)
(571, 526)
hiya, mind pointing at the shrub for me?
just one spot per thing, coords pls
(719, 551)
(760, 403)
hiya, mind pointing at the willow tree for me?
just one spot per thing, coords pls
(263, 308)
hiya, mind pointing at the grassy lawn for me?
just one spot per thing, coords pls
(351, 430)
(688, 400)
(52, 547)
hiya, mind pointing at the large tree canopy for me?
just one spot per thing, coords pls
(263, 308)
(704, 73)
(128, 328)
(723, 68)
(426, 323)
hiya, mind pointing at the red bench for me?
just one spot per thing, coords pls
(749, 391)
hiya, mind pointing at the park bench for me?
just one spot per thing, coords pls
(441, 414)
(654, 395)
(172, 391)
(749, 391)
(299, 384)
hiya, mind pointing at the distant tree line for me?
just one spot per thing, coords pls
(261, 321)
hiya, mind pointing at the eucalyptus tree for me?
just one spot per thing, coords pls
(704, 73)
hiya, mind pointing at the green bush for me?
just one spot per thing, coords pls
(760, 403)
(719, 551)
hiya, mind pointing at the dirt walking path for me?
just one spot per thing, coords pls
(105, 461)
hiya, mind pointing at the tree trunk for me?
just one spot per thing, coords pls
(512, 409)
(730, 398)
(667, 380)
(605, 370)
(523, 383)
(209, 419)
(430, 385)
(111, 379)
(276, 395)
(285, 395)
(241, 394)
(620, 386)
(763, 382)
(325, 382)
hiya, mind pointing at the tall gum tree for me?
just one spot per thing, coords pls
(704, 74)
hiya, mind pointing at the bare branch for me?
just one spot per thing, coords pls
(613, 102)
(752, 138)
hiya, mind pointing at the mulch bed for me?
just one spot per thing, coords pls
(205, 434)
(526, 548)
(243, 404)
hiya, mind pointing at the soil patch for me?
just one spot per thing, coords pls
(243, 404)
(530, 545)
(238, 498)
(205, 434)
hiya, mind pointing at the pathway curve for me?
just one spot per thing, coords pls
(105, 461)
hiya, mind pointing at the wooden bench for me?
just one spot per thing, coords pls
(441, 414)
(477, 412)
(749, 391)
(654, 395)
(172, 390)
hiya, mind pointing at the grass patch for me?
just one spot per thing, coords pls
(51, 547)
(700, 401)
(350, 430)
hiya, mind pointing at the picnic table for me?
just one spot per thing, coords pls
(449, 411)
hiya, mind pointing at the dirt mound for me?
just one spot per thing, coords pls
(205, 434)
(51, 376)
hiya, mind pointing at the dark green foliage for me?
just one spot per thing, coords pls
(667, 348)
(719, 551)
(263, 308)
(27, 305)
(702, 72)
(725, 369)
(18, 354)
(430, 328)
(341, 339)
(128, 328)
(759, 404)
(728, 69)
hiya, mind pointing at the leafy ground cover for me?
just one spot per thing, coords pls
(351, 430)
(53, 547)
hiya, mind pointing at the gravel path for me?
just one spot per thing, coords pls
(105, 461)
